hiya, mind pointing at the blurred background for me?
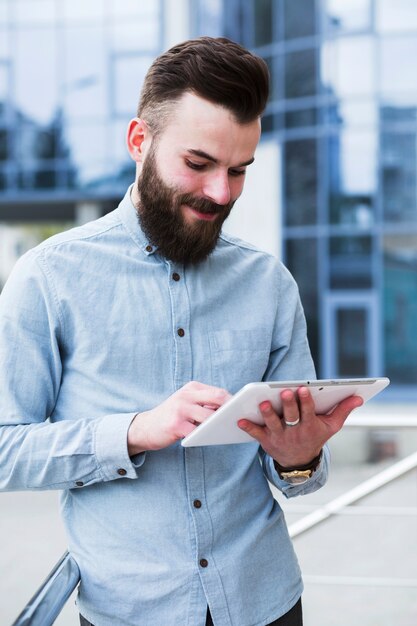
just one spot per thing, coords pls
(333, 193)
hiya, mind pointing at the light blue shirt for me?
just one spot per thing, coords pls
(89, 336)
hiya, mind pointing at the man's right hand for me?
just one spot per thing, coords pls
(175, 418)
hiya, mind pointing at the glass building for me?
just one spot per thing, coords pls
(70, 75)
(343, 109)
(343, 112)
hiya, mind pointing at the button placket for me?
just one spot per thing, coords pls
(180, 307)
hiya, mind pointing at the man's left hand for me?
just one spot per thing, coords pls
(296, 445)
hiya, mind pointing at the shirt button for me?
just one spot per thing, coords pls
(176, 276)
(148, 248)
(79, 483)
(181, 332)
(197, 504)
(122, 472)
(203, 562)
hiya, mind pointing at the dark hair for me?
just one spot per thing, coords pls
(216, 69)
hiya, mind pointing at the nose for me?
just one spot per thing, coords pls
(217, 187)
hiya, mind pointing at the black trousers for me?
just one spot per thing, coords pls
(294, 617)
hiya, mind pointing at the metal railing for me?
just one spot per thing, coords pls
(47, 603)
(353, 495)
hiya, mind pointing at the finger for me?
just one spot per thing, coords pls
(290, 408)
(213, 396)
(254, 430)
(271, 418)
(342, 411)
(187, 428)
(307, 405)
(199, 413)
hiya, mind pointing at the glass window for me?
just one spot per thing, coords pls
(89, 151)
(36, 178)
(352, 175)
(400, 15)
(398, 116)
(348, 66)
(274, 64)
(3, 185)
(132, 8)
(300, 164)
(299, 18)
(4, 84)
(129, 72)
(4, 12)
(85, 73)
(342, 16)
(399, 176)
(124, 166)
(4, 43)
(49, 141)
(35, 74)
(4, 145)
(351, 325)
(301, 117)
(358, 113)
(301, 259)
(350, 263)
(398, 76)
(300, 73)
(400, 308)
(209, 17)
(118, 149)
(34, 11)
(263, 22)
(139, 35)
(75, 10)
(268, 122)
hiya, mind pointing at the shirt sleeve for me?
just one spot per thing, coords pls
(317, 480)
(34, 452)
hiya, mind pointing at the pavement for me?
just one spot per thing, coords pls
(359, 567)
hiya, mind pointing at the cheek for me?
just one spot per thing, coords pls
(236, 186)
(185, 182)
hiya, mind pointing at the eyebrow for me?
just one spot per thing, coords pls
(205, 155)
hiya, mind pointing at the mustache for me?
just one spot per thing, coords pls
(202, 205)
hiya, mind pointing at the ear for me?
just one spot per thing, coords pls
(137, 139)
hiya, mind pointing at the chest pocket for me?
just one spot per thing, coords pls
(238, 357)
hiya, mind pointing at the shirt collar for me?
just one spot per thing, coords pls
(129, 218)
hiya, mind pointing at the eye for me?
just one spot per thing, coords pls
(195, 166)
(237, 172)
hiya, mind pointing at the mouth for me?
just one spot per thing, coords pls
(207, 217)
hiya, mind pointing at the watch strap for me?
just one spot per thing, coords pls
(305, 471)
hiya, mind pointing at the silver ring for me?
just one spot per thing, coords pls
(292, 423)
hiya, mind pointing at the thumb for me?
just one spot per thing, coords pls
(342, 411)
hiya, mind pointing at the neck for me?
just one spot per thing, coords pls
(134, 195)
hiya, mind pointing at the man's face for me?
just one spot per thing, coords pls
(191, 176)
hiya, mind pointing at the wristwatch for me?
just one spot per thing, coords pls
(298, 475)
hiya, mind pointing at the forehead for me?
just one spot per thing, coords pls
(197, 124)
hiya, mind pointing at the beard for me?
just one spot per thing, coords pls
(162, 221)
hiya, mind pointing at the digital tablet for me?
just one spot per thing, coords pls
(221, 427)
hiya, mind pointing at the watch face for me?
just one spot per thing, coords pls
(296, 477)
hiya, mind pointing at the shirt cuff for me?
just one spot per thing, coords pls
(111, 447)
(317, 480)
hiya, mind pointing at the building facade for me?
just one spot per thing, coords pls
(70, 78)
(343, 109)
(342, 114)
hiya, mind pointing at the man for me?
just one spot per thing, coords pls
(102, 330)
